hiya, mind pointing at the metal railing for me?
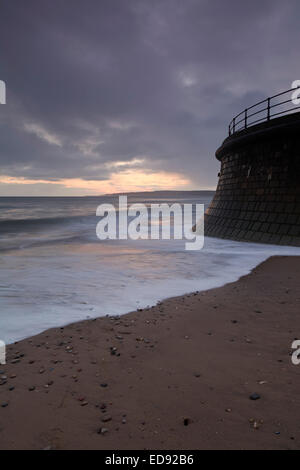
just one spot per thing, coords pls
(244, 119)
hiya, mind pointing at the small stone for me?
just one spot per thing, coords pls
(32, 388)
(254, 396)
(228, 410)
(102, 431)
(11, 388)
(104, 385)
(4, 404)
(106, 418)
(186, 421)
(84, 403)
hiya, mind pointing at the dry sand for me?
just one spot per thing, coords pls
(179, 378)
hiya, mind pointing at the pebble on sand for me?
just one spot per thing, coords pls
(102, 431)
(254, 396)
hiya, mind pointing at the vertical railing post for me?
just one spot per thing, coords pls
(246, 118)
(233, 125)
(229, 130)
(268, 110)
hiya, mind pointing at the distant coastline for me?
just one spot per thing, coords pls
(129, 193)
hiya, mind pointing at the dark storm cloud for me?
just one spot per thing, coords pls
(92, 82)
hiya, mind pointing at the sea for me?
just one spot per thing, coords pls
(54, 270)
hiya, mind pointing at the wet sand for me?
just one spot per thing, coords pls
(175, 376)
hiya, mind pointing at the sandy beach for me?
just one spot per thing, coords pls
(175, 376)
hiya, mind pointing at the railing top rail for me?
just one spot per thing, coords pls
(243, 123)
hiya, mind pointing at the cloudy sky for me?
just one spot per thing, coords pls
(122, 95)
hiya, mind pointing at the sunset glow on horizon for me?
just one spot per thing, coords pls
(130, 180)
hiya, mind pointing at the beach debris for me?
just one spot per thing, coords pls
(124, 421)
(262, 382)
(4, 404)
(186, 421)
(114, 351)
(84, 403)
(256, 423)
(11, 388)
(106, 418)
(31, 389)
(228, 410)
(254, 396)
(102, 431)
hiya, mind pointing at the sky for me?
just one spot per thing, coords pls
(108, 96)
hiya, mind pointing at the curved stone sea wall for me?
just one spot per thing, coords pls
(258, 193)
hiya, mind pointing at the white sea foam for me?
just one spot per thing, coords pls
(69, 277)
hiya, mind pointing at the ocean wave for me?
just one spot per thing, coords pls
(34, 223)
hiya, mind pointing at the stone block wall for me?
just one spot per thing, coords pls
(258, 193)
